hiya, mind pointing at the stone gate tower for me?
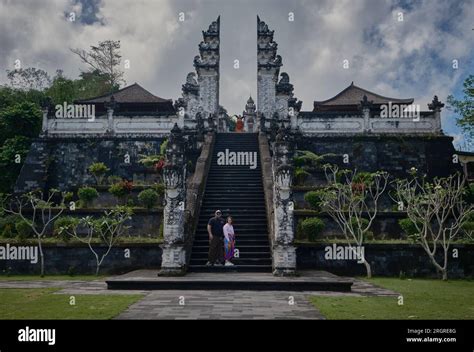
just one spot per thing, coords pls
(207, 68)
(268, 69)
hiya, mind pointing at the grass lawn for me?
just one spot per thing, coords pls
(50, 278)
(44, 304)
(422, 299)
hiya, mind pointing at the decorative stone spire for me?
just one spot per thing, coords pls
(268, 69)
(250, 115)
(436, 106)
(207, 68)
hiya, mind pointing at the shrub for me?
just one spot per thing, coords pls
(148, 198)
(64, 222)
(121, 189)
(7, 224)
(301, 175)
(468, 228)
(159, 188)
(114, 179)
(23, 229)
(313, 198)
(312, 227)
(87, 195)
(163, 146)
(408, 227)
(469, 194)
(363, 223)
(98, 170)
(68, 196)
(7, 231)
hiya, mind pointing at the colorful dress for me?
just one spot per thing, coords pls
(229, 242)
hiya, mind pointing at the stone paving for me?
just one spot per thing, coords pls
(209, 304)
(222, 305)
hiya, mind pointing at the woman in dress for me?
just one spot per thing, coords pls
(229, 241)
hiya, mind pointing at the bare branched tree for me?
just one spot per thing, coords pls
(104, 58)
(29, 78)
(38, 210)
(108, 229)
(352, 202)
(438, 212)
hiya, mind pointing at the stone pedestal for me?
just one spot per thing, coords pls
(284, 255)
(174, 175)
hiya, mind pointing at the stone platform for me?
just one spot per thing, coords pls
(305, 281)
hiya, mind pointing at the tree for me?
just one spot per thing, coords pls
(352, 203)
(104, 58)
(12, 155)
(465, 107)
(437, 211)
(36, 209)
(29, 79)
(62, 89)
(23, 119)
(108, 229)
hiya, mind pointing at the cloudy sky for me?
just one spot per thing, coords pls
(409, 58)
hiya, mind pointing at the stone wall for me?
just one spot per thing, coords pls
(385, 225)
(63, 162)
(78, 259)
(432, 155)
(388, 260)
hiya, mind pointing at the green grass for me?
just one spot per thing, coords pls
(50, 277)
(44, 304)
(422, 299)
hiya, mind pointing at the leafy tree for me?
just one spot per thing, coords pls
(13, 150)
(465, 106)
(21, 119)
(62, 89)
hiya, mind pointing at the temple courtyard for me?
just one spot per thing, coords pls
(87, 297)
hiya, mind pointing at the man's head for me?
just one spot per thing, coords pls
(218, 213)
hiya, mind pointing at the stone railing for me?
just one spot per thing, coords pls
(195, 192)
(340, 123)
(267, 178)
(108, 124)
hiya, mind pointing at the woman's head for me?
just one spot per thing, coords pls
(229, 219)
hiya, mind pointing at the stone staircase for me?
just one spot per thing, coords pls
(236, 191)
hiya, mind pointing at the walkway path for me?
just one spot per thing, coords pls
(209, 304)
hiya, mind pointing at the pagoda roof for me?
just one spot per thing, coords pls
(353, 95)
(133, 94)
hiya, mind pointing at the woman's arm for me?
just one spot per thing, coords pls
(226, 231)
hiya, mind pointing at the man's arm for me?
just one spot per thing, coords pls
(209, 231)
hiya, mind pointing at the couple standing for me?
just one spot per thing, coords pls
(221, 240)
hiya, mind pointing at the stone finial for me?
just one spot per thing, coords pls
(284, 85)
(365, 103)
(262, 28)
(191, 86)
(46, 103)
(111, 104)
(435, 104)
